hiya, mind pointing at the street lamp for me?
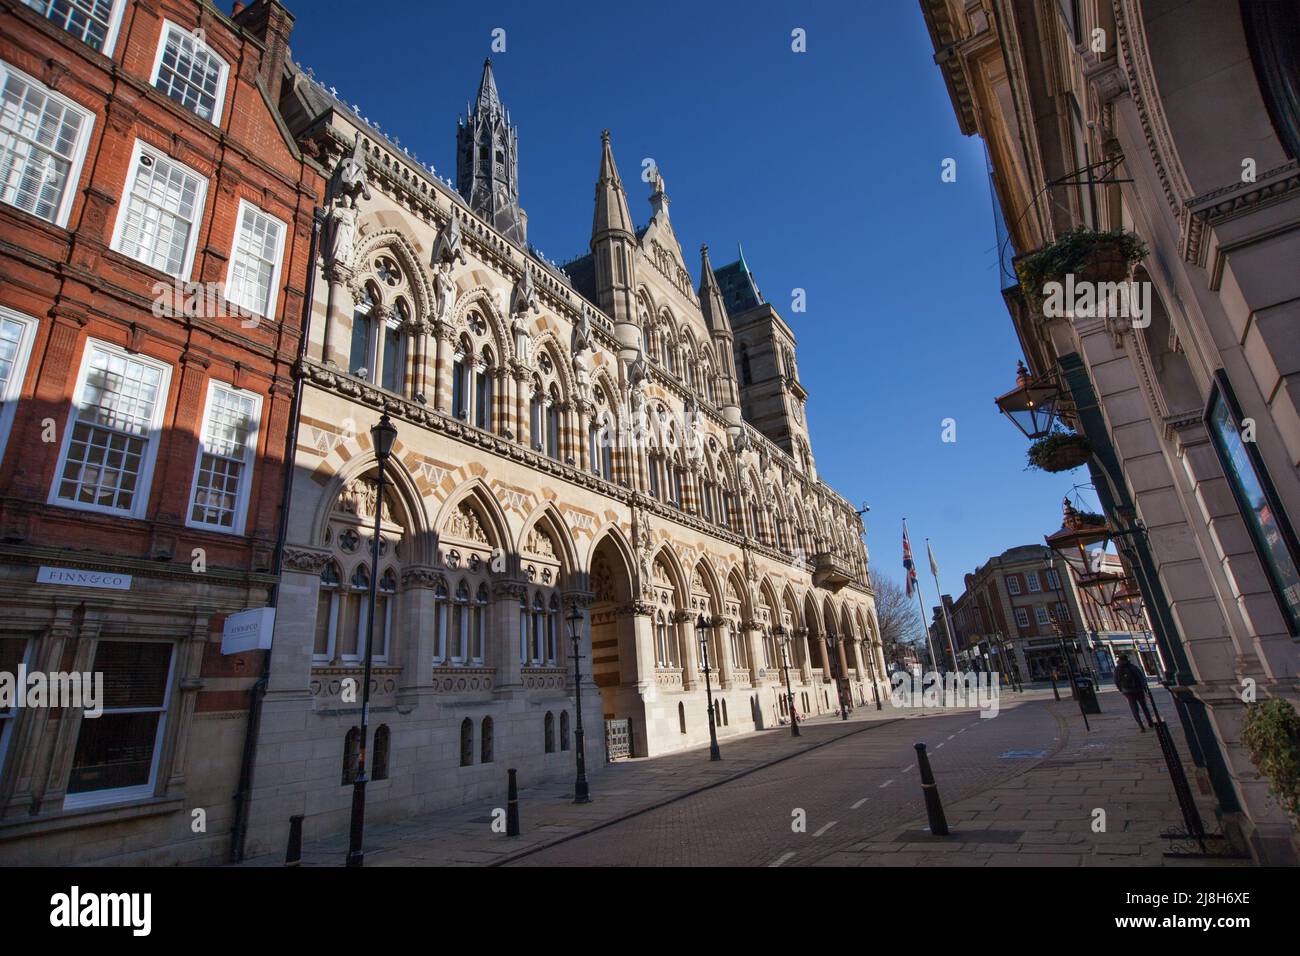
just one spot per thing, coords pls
(580, 792)
(869, 650)
(704, 625)
(832, 641)
(783, 638)
(382, 436)
(1031, 405)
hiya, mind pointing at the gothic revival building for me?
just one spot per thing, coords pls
(611, 434)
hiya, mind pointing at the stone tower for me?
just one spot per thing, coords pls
(613, 246)
(771, 396)
(487, 161)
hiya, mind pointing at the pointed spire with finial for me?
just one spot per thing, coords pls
(611, 213)
(711, 302)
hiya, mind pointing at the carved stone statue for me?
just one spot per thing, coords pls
(445, 289)
(638, 374)
(352, 180)
(581, 347)
(523, 301)
(341, 229)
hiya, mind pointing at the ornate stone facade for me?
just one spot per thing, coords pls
(565, 437)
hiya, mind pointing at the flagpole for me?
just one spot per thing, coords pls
(947, 621)
(934, 661)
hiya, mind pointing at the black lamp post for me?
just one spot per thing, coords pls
(580, 792)
(704, 625)
(784, 638)
(871, 669)
(832, 641)
(382, 436)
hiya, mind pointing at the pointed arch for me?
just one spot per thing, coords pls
(399, 484)
(484, 300)
(559, 354)
(408, 259)
(677, 574)
(549, 518)
(740, 592)
(712, 585)
(477, 491)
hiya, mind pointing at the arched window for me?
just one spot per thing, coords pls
(548, 727)
(460, 621)
(677, 472)
(661, 638)
(524, 630)
(478, 629)
(394, 371)
(466, 742)
(553, 423)
(652, 462)
(380, 762)
(327, 609)
(706, 498)
(726, 721)
(384, 614)
(538, 645)
(352, 615)
(440, 622)
(535, 419)
(351, 754)
(459, 381)
(681, 716)
(564, 730)
(552, 630)
(486, 744)
(363, 323)
(483, 372)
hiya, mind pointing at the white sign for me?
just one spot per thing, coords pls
(76, 577)
(248, 631)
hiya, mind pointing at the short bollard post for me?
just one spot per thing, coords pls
(1055, 693)
(933, 806)
(512, 806)
(293, 852)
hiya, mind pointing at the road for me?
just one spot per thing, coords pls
(848, 791)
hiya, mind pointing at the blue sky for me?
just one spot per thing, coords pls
(825, 164)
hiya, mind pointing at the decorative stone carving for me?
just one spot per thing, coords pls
(449, 246)
(464, 523)
(522, 301)
(299, 559)
(539, 542)
(358, 498)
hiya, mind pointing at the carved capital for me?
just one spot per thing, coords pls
(301, 559)
(420, 577)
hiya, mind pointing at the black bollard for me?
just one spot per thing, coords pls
(933, 806)
(1055, 693)
(512, 806)
(293, 853)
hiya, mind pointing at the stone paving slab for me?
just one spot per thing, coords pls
(1113, 767)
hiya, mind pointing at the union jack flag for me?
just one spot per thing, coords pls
(908, 564)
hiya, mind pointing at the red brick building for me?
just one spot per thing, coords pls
(143, 421)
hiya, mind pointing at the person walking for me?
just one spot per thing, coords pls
(1132, 683)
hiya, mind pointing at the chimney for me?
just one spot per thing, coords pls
(271, 23)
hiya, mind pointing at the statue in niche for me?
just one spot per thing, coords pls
(581, 347)
(445, 289)
(349, 183)
(638, 375)
(523, 301)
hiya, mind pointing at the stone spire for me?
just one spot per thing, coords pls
(711, 304)
(613, 248)
(611, 201)
(487, 162)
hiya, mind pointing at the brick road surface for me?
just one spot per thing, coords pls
(1018, 789)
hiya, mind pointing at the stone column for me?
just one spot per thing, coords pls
(417, 639)
(505, 634)
(805, 667)
(753, 637)
(53, 787)
(441, 387)
(690, 648)
(295, 619)
(722, 646)
(338, 317)
(524, 433)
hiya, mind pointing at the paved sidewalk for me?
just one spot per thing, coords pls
(1045, 816)
(463, 836)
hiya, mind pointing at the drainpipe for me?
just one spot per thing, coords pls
(239, 829)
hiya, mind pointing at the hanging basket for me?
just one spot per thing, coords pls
(1087, 255)
(1059, 451)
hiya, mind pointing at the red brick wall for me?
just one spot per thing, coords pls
(78, 288)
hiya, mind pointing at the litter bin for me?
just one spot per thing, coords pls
(1086, 693)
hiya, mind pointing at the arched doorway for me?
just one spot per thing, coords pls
(614, 667)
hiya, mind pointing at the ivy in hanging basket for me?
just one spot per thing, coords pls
(1059, 451)
(1089, 519)
(1097, 256)
(1271, 734)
